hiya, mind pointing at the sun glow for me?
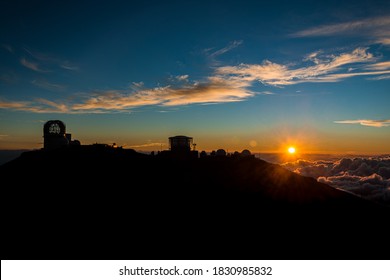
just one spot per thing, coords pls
(291, 150)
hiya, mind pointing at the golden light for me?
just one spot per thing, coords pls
(291, 150)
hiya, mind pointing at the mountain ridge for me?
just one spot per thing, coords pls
(155, 201)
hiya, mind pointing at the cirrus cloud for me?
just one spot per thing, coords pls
(214, 90)
(225, 84)
(374, 123)
(326, 68)
(31, 65)
(376, 28)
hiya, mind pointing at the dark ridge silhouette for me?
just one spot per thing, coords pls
(98, 201)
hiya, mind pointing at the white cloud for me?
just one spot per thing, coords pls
(384, 65)
(383, 77)
(232, 45)
(147, 145)
(39, 105)
(215, 90)
(66, 65)
(376, 28)
(138, 85)
(367, 177)
(31, 65)
(322, 71)
(182, 77)
(225, 84)
(213, 55)
(374, 123)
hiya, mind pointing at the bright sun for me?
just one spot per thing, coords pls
(291, 150)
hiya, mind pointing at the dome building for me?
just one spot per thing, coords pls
(54, 135)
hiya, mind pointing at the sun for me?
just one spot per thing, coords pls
(291, 150)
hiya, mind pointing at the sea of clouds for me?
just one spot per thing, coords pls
(368, 177)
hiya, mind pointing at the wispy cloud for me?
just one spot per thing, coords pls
(182, 78)
(212, 54)
(383, 77)
(68, 66)
(31, 65)
(139, 84)
(225, 84)
(376, 28)
(323, 70)
(385, 65)
(374, 123)
(42, 83)
(232, 45)
(215, 90)
(147, 145)
(51, 61)
(37, 106)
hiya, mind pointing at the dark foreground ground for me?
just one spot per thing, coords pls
(102, 203)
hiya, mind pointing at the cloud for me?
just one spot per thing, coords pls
(31, 65)
(39, 105)
(212, 56)
(271, 73)
(182, 77)
(138, 85)
(367, 177)
(215, 90)
(51, 61)
(147, 145)
(66, 65)
(42, 83)
(225, 84)
(374, 123)
(385, 65)
(376, 28)
(232, 45)
(383, 77)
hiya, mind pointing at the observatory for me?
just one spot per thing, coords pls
(246, 153)
(180, 147)
(55, 136)
(180, 144)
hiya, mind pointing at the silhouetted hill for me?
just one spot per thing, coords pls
(144, 206)
(8, 155)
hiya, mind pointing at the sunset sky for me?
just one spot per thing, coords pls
(258, 75)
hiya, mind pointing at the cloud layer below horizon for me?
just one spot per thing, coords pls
(366, 177)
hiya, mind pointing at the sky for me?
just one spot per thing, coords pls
(258, 75)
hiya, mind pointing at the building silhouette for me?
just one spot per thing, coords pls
(55, 136)
(180, 147)
(180, 144)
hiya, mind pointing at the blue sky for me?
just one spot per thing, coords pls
(232, 74)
